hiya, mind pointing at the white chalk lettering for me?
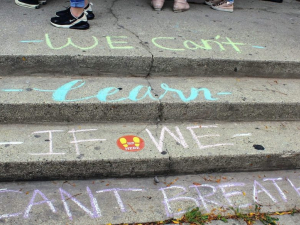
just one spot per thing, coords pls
(95, 213)
(167, 200)
(159, 144)
(32, 203)
(256, 192)
(80, 141)
(117, 195)
(204, 199)
(196, 138)
(50, 142)
(283, 196)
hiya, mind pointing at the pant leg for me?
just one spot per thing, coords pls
(77, 3)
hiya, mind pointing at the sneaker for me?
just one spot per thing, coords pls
(88, 12)
(69, 21)
(43, 2)
(33, 4)
(225, 6)
(212, 2)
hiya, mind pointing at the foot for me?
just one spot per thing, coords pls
(88, 12)
(180, 6)
(157, 4)
(33, 4)
(212, 2)
(70, 21)
(225, 6)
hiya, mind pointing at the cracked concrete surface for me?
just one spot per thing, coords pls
(124, 35)
(29, 152)
(45, 99)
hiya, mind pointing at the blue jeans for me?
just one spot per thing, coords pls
(77, 3)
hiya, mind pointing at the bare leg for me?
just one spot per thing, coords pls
(76, 11)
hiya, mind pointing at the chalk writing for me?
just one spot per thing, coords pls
(207, 196)
(165, 43)
(134, 143)
(137, 93)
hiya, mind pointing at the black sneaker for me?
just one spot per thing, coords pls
(33, 4)
(69, 21)
(43, 2)
(88, 12)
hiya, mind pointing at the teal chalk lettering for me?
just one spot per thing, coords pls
(103, 93)
(194, 93)
(133, 95)
(60, 94)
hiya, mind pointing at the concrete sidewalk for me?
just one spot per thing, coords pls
(83, 151)
(128, 38)
(116, 201)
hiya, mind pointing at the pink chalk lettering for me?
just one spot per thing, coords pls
(32, 203)
(159, 144)
(95, 213)
(256, 192)
(230, 194)
(196, 138)
(178, 197)
(50, 142)
(204, 199)
(283, 196)
(80, 141)
(12, 214)
(117, 195)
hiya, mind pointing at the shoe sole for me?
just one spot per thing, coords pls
(208, 3)
(26, 5)
(90, 16)
(79, 26)
(223, 10)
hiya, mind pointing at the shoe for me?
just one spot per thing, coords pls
(180, 6)
(212, 2)
(69, 21)
(88, 12)
(42, 2)
(195, 1)
(157, 4)
(33, 4)
(225, 6)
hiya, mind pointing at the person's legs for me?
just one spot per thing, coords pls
(87, 9)
(77, 7)
(73, 18)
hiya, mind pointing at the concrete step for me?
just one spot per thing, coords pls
(54, 99)
(142, 200)
(128, 38)
(73, 151)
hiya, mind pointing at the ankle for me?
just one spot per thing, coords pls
(76, 12)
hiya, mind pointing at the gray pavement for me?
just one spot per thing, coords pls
(129, 38)
(74, 151)
(103, 201)
(91, 99)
